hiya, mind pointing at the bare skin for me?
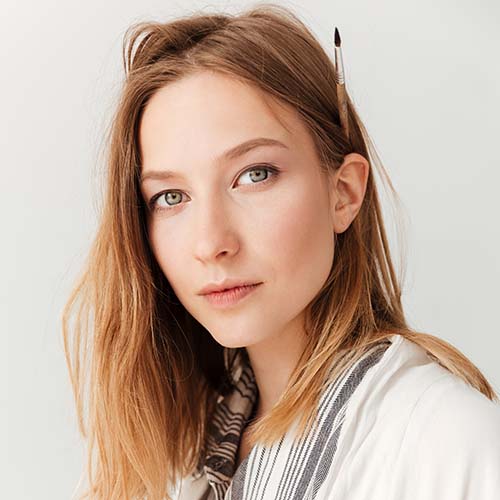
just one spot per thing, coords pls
(221, 223)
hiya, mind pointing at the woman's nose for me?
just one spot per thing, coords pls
(215, 232)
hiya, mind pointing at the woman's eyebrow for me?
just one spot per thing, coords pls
(230, 154)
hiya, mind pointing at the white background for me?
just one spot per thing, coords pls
(425, 79)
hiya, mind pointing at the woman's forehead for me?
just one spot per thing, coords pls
(206, 98)
(212, 112)
(208, 113)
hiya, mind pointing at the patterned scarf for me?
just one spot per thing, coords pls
(289, 470)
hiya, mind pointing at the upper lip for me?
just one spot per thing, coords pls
(228, 283)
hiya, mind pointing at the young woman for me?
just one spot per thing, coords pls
(229, 168)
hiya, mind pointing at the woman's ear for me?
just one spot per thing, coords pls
(347, 190)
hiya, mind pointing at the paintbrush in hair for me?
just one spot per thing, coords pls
(340, 80)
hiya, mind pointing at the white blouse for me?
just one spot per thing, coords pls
(394, 426)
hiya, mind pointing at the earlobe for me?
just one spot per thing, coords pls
(342, 219)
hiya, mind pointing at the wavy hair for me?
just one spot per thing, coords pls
(145, 370)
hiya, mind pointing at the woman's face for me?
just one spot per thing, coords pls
(226, 215)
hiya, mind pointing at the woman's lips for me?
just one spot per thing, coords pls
(231, 296)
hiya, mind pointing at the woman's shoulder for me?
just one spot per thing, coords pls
(431, 399)
(451, 445)
(451, 416)
(450, 407)
(450, 440)
(414, 430)
(408, 378)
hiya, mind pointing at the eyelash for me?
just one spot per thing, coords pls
(273, 170)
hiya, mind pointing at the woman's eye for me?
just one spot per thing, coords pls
(260, 178)
(167, 200)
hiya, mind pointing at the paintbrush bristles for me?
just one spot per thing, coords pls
(337, 37)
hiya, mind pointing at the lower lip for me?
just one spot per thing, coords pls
(230, 297)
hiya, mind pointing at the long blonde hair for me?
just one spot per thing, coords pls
(153, 372)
